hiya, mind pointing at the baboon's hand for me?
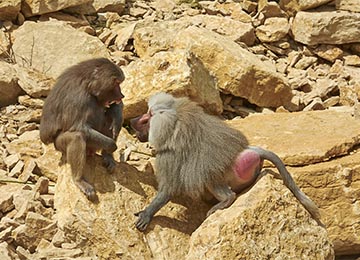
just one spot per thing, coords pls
(109, 162)
(115, 129)
(143, 220)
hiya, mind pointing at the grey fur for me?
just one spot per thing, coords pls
(196, 153)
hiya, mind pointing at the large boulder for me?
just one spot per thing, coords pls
(179, 72)
(10, 89)
(107, 228)
(51, 47)
(303, 138)
(32, 8)
(325, 140)
(326, 27)
(267, 222)
(237, 70)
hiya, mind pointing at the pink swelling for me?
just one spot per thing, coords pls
(245, 164)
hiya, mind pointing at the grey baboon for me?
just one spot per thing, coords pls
(198, 153)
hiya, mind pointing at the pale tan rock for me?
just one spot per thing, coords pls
(55, 253)
(35, 42)
(10, 89)
(34, 83)
(23, 254)
(352, 60)
(280, 227)
(6, 201)
(179, 72)
(274, 29)
(328, 52)
(7, 222)
(124, 33)
(17, 170)
(76, 22)
(326, 27)
(98, 6)
(332, 101)
(48, 162)
(315, 104)
(11, 160)
(30, 102)
(29, 168)
(4, 251)
(235, 30)
(305, 62)
(349, 5)
(237, 71)
(33, 7)
(4, 44)
(298, 143)
(111, 221)
(6, 234)
(292, 6)
(36, 227)
(238, 14)
(42, 185)
(335, 188)
(271, 9)
(9, 9)
(28, 144)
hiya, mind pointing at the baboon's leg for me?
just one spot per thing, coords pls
(224, 195)
(75, 146)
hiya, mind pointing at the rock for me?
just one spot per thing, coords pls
(4, 251)
(237, 71)
(5, 235)
(42, 186)
(48, 162)
(334, 187)
(6, 202)
(124, 33)
(76, 22)
(271, 9)
(30, 102)
(32, 8)
(292, 6)
(36, 228)
(4, 45)
(298, 143)
(56, 253)
(274, 29)
(16, 171)
(326, 27)
(179, 72)
(34, 84)
(11, 160)
(98, 6)
(10, 89)
(305, 62)
(9, 10)
(328, 52)
(352, 60)
(111, 221)
(35, 42)
(235, 30)
(28, 144)
(349, 5)
(315, 104)
(29, 168)
(234, 233)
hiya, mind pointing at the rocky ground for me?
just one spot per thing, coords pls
(286, 73)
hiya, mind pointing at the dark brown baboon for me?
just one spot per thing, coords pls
(198, 153)
(83, 114)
